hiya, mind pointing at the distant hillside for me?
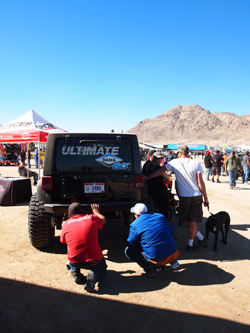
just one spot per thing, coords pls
(193, 124)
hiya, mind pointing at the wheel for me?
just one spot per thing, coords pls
(41, 233)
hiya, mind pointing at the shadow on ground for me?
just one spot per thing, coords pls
(114, 235)
(30, 308)
(127, 282)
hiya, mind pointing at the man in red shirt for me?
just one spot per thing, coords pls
(80, 233)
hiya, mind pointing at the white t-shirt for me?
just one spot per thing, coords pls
(186, 171)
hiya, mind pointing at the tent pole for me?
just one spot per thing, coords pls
(39, 155)
(26, 151)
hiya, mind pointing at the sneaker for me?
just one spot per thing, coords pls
(176, 264)
(212, 180)
(189, 249)
(202, 243)
(90, 282)
(231, 187)
(153, 271)
(218, 181)
(68, 266)
(76, 276)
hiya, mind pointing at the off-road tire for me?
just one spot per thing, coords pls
(41, 233)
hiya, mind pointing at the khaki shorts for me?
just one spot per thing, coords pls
(190, 209)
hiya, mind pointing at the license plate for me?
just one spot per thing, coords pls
(94, 188)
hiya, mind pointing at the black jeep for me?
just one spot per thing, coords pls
(88, 168)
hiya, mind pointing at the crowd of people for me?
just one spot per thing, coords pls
(227, 164)
(151, 240)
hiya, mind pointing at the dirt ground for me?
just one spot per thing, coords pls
(209, 293)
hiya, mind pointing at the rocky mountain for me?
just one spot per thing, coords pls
(193, 124)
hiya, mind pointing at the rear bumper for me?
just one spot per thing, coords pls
(104, 207)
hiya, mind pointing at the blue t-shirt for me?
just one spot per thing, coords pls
(169, 158)
(154, 234)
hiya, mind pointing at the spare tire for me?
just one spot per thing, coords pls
(41, 232)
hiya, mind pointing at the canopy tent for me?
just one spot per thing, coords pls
(30, 127)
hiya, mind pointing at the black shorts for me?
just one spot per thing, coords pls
(190, 209)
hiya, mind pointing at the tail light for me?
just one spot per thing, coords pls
(139, 181)
(47, 183)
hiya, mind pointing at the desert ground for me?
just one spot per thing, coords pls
(209, 292)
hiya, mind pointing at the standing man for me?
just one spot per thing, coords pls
(232, 165)
(217, 162)
(80, 233)
(23, 156)
(36, 158)
(246, 167)
(29, 157)
(41, 157)
(150, 241)
(169, 157)
(208, 164)
(191, 188)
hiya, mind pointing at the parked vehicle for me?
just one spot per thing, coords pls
(85, 167)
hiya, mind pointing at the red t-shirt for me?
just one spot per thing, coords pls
(80, 233)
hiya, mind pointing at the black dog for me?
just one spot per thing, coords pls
(215, 223)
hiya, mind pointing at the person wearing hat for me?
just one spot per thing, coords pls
(156, 187)
(23, 155)
(150, 242)
(191, 188)
(216, 169)
(80, 233)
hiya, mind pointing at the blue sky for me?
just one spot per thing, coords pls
(107, 64)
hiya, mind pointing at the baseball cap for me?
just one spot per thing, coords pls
(158, 155)
(139, 209)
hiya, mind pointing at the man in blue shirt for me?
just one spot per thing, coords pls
(169, 156)
(150, 241)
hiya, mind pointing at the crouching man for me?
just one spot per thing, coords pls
(80, 233)
(150, 241)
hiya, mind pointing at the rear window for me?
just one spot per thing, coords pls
(96, 156)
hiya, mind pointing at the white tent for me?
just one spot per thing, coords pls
(30, 127)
